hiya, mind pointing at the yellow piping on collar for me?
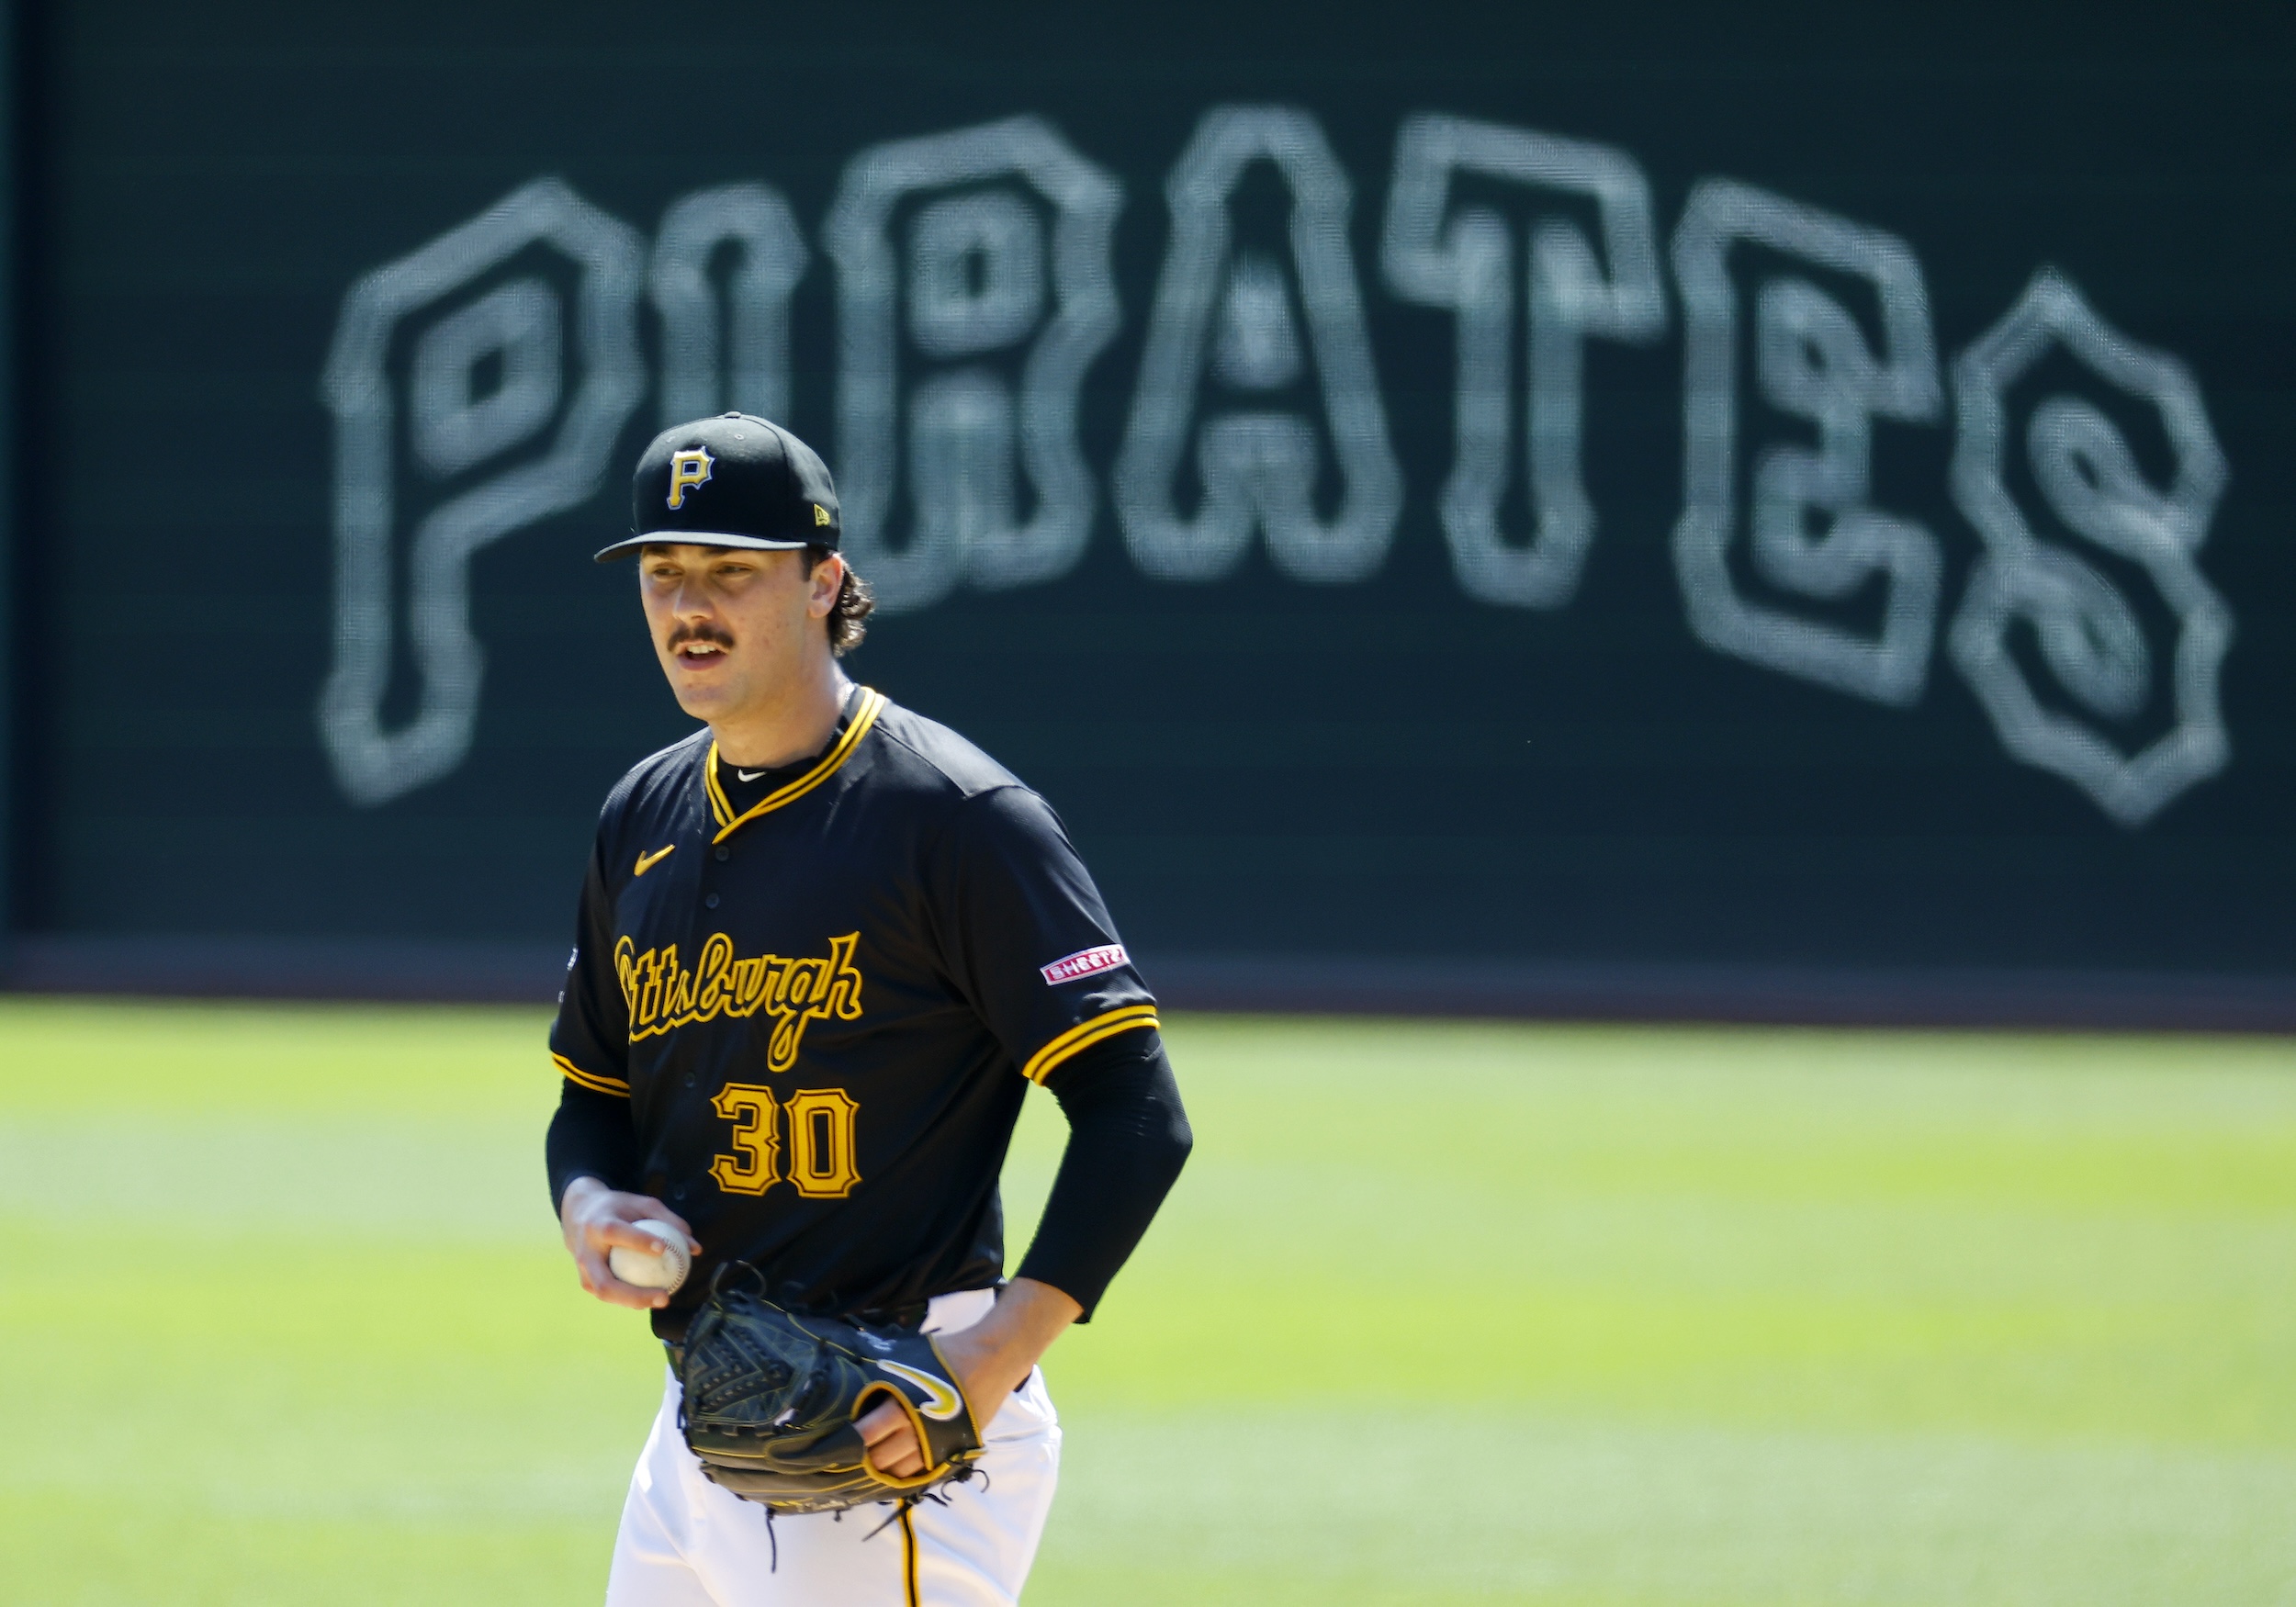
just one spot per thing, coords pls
(721, 807)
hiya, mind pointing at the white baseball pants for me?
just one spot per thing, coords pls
(686, 1543)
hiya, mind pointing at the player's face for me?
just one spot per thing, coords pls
(736, 629)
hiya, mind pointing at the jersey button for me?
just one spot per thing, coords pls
(711, 902)
(724, 854)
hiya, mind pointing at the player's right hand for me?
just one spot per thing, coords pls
(595, 1219)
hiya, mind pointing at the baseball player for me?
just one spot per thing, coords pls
(825, 944)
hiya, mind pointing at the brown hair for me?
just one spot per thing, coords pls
(848, 621)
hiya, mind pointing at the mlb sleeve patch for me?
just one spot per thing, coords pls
(1084, 1035)
(1083, 963)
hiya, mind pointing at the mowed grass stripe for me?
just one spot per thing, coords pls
(1441, 1312)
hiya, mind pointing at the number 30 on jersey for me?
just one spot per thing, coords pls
(820, 1144)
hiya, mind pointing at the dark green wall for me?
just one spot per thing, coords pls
(1382, 765)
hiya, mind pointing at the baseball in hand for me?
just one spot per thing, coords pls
(665, 1269)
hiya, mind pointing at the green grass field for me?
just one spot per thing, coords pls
(1440, 1313)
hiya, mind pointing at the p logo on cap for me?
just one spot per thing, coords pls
(733, 481)
(687, 470)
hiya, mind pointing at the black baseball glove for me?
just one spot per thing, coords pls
(772, 1401)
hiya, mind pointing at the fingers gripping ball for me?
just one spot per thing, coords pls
(664, 1269)
(772, 1399)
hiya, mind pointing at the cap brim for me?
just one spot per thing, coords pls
(629, 544)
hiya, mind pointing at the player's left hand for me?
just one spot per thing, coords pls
(991, 1359)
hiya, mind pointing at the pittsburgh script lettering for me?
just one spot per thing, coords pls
(663, 994)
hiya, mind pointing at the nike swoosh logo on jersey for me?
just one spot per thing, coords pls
(752, 775)
(647, 861)
(940, 1403)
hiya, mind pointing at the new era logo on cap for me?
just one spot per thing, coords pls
(1083, 963)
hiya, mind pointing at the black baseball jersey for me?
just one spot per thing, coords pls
(825, 1005)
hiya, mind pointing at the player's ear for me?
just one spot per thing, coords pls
(828, 577)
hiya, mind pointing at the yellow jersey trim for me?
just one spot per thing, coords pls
(871, 704)
(591, 1080)
(1084, 1035)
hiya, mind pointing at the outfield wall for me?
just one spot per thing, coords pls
(1469, 506)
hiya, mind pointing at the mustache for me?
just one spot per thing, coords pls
(684, 634)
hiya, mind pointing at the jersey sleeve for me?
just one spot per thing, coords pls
(1128, 1138)
(1024, 935)
(590, 1041)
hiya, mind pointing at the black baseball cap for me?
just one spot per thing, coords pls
(734, 481)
